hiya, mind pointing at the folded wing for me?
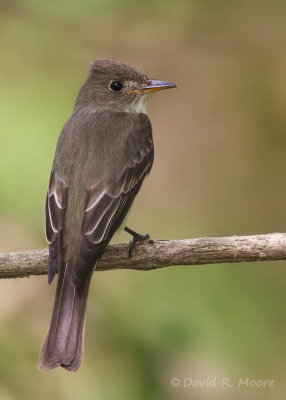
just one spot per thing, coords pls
(109, 200)
(56, 202)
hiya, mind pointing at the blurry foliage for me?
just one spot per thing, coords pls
(219, 170)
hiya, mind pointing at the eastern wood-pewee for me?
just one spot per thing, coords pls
(103, 154)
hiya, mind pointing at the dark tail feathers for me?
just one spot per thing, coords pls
(64, 343)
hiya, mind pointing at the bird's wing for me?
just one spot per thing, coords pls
(108, 201)
(56, 202)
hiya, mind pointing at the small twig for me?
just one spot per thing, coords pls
(160, 253)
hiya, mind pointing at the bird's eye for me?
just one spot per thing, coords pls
(116, 86)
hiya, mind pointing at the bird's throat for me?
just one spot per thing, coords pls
(139, 105)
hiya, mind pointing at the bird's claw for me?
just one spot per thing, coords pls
(137, 237)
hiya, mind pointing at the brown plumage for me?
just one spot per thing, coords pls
(103, 154)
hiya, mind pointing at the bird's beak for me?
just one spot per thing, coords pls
(154, 86)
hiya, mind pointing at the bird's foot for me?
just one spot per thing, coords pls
(136, 238)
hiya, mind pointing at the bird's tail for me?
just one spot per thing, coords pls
(64, 343)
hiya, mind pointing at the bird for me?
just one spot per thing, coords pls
(103, 153)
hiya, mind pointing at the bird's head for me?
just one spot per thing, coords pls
(115, 86)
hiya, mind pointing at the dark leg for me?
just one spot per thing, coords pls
(136, 238)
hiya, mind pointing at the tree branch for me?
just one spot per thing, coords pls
(160, 253)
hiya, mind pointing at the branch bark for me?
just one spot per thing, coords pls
(160, 253)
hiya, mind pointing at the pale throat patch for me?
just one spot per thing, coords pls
(139, 105)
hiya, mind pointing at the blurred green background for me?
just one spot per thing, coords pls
(219, 170)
